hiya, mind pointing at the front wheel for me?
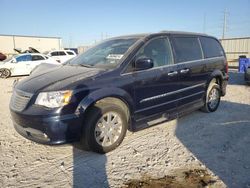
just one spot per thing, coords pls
(5, 73)
(213, 96)
(104, 128)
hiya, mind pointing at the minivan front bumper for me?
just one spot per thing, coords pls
(48, 130)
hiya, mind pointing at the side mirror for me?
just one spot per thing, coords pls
(13, 61)
(143, 64)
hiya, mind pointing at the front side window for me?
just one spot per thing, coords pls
(159, 50)
(187, 49)
(23, 58)
(107, 54)
(54, 53)
(61, 53)
(211, 47)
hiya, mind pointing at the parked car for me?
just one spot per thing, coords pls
(61, 55)
(2, 57)
(129, 82)
(23, 64)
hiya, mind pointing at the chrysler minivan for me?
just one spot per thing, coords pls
(124, 83)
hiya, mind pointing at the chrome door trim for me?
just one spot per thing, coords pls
(162, 104)
(170, 93)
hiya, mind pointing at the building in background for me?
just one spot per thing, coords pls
(235, 47)
(21, 42)
(82, 49)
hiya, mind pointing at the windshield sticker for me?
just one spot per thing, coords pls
(114, 56)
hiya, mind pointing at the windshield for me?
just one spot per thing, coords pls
(106, 54)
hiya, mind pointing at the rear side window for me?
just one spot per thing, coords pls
(70, 53)
(211, 47)
(37, 57)
(187, 49)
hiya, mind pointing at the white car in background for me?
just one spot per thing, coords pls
(23, 64)
(61, 55)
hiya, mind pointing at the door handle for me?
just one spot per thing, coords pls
(172, 73)
(183, 71)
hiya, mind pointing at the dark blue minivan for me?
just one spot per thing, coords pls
(128, 82)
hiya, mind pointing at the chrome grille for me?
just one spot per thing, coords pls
(19, 100)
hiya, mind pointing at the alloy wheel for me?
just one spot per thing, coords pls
(108, 129)
(213, 98)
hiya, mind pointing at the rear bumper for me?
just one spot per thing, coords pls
(48, 130)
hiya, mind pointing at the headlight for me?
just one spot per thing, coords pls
(54, 99)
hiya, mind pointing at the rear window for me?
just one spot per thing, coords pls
(211, 47)
(187, 49)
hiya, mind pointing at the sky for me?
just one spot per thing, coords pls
(81, 22)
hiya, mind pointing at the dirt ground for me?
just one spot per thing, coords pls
(197, 150)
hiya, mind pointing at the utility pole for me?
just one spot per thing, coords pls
(224, 24)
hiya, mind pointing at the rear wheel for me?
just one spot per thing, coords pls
(213, 96)
(5, 73)
(104, 128)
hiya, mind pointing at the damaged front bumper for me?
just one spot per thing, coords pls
(48, 130)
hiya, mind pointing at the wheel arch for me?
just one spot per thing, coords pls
(215, 77)
(114, 95)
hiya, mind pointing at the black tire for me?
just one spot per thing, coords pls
(208, 107)
(100, 109)
(5, 73)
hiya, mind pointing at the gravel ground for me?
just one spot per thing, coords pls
(197, 150)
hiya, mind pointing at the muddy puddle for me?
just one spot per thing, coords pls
(195, 178)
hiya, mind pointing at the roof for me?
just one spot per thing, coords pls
(29, 36)
(183, 33)
(159, 33)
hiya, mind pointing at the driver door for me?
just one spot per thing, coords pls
(154, 89)
(21, 65)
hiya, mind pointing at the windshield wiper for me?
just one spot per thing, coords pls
(85, 65)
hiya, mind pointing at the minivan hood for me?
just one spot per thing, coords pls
(56, 78)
